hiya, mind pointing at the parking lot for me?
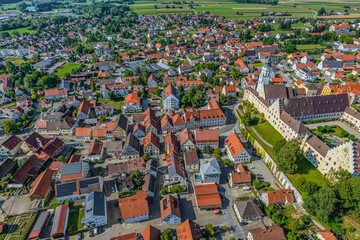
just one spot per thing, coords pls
(15, 205)
(259, 169)
(189, 211)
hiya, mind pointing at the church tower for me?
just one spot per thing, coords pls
(264, 77)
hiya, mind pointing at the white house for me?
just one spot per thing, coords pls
(170, 98)
(95, 214)
(236, 150)
(170, 210)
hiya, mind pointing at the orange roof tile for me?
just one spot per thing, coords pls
(280, 195)
(234, 144)
(133, 206)
(41, 185)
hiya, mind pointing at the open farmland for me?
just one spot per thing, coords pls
(245, 11)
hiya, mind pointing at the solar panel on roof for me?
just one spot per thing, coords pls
(165, 204)
(72, 168)
(66, 189)
(84, 183)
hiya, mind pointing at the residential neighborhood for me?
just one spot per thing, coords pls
(178, 125)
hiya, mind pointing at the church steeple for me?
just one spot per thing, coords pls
(264, 77)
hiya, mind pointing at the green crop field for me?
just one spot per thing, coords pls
(245, 11)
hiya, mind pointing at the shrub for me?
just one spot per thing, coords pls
(344, 134)
(351, 137)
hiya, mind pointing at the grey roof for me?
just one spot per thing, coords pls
(248, 208)
(95, 205)
(275, 91)
(209, 166)
(89, 185)
(66, 189)
(53, 116)
(82, 186)
(314, 105)
(149, 183)
(41, 221)
(71, 168)
(56, 222)
(332, 64)
(114, 146)
(122, 122)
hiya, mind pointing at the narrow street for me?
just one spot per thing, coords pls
(228, 216)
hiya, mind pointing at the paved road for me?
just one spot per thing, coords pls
(228, 216)
(338, 123)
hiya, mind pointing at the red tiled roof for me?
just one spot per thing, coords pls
(234, 144)
(95, 147)
(130, 236)
(151, 233)
(188, 230)
(132, 98)
(41, 185)
(280, 195)
(133, 206)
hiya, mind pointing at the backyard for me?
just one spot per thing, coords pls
(75, 217)
(117, 105)
(67, 68)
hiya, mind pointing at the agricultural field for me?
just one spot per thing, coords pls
(235, 10)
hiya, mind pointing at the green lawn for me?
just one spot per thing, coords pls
(54, 204)
(67, 68)
(335, 130)
(20, 30)
(310, 47)
(310, 173)
(268, 133)
(307, 170)
(268, 149)
(117, 105)
(76, 214)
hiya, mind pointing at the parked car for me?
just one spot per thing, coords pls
(80, 236)
(243, 223)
